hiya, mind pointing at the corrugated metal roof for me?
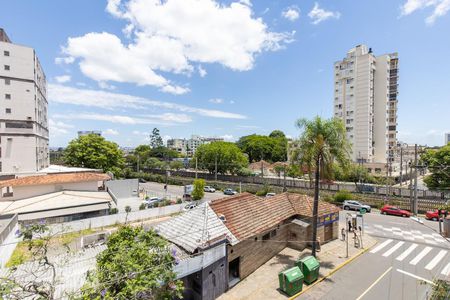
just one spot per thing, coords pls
(63, 212)
(195, 229)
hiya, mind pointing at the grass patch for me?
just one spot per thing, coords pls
(20, 255)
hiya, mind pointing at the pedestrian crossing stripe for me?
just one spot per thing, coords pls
(446, 270)
(393, 249)
(381, 246)
(407, 252)
(419, 256)
(436, 260)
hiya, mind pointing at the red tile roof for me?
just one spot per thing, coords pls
(54, 178)
(247, 214)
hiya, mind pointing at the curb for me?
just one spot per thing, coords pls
(333, 271)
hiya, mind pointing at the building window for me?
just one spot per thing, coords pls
(6, 53)
(7, 81)
(8, 110)
(7, 191)
(266, 237)
(8, 96)
(6, 67)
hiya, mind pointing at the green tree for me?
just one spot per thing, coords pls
(176, 165)
(277, 134)
(438, 162)
(155, 139)
(198, 191)
(321, 143)
(93, 151)
(137, 264)
(271, 148)
(163, 153)
(153, 163)
(228, 156)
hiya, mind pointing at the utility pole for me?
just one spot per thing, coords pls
(284, 179)
(215, 168)
(196, 161)
(262, 166)
(401, 166)
(415, 179)
(138, 160)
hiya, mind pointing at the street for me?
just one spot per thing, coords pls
(407, 258)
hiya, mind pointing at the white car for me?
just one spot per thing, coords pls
(270, 194)
(356, 205)
(190, 206)
(209, 189)
(151, 201)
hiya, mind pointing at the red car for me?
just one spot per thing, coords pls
(392, 210)
(433, 215)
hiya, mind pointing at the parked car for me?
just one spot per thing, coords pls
(434, 215)
(356, 205)
(209, 189)
(142, 180)
(392, 210)
(229, 192)
(270, 194)
(152, 201)
(190, 206)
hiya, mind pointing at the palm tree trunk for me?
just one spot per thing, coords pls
(315, 207)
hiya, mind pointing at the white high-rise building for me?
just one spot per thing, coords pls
(23, 110)
(447, 138)
(365, 98)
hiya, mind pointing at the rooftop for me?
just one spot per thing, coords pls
(64, 169)
(247, 214)
(54, 178)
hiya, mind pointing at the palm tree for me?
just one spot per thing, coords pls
(321, 143)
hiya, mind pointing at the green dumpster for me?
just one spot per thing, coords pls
(291, 281)
(309, 267)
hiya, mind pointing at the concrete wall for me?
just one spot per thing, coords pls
(24, 192)
(8, 241)
(120, 218)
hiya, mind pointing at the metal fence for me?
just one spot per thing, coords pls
(302, 183)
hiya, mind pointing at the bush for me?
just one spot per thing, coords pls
(341, 196)
(142, 206)
(179, 201)
(113, 211)
(127, 209)
(266, 189)
(328, 198)
(198, 191)
(165, 202)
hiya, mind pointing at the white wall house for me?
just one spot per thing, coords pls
(23, 110)
(365, 98)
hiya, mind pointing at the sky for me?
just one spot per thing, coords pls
(225, 68)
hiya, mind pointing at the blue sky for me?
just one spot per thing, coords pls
(228, 68)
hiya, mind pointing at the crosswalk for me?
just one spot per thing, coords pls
(415, 254)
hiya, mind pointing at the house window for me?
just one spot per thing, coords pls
(266, 237)
(6, 67)
(8, 110)
(7, 81)
(273, 233)
(6, 53)
(8, 96)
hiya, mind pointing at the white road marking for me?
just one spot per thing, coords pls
(393, 249)
(446, 270)
(436, 259)
(373, 284)
(381, 246)
(420, 256)
(406, 252)
(415, 276)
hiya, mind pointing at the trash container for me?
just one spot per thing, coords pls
(291, 281)
(309, 267)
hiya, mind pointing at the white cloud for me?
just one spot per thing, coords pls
(247, 127)
(110, 132)
(201, 71)
(246, 2)
(440, 8)
(108, 100)
(62, 78)
(106, 86)
(171, 36)
(64, 60)
(58, 128)
(160, 119)
(227, 137)
(291, 13)
(318, 14)
(216, 100)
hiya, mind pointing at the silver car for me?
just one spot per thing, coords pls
(355, 205)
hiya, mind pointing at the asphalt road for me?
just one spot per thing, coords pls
(408, 254)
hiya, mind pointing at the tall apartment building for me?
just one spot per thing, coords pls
(447, 138)
(365, 98)
(189, 146)
(23, 109)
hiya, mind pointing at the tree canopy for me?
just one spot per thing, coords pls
(155, 139)
(438, 163)
(93, 151)
(229, 157)
(270, 148)
(137, 264)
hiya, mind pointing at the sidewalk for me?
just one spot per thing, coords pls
(263, 283)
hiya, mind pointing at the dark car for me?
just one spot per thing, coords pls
(395, 211)
(142, 180)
